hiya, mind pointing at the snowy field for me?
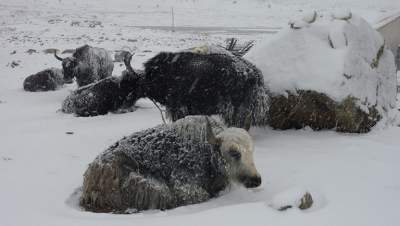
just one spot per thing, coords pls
(353, 178)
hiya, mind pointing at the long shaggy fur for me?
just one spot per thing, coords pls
(46, 80)
(89, 64)
(157, 168)
(107, 95)
(207, 81)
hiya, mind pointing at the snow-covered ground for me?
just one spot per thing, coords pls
(353, 178)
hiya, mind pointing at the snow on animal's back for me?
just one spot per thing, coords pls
(339, 55)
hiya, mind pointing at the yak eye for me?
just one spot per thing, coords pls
(235, 154)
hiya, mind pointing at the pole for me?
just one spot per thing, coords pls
(173, 19)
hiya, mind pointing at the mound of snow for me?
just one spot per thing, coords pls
(335, 57)
(339, 55)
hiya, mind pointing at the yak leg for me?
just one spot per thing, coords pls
(187, 194)
(175, 113)
(117, 187)
(141, 193)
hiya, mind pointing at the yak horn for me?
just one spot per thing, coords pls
(57, 57)
(127, 61)
(210, 134)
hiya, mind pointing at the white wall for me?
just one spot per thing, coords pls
(390, 30)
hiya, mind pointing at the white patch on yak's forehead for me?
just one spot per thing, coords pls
(236, 138)
(239, 140)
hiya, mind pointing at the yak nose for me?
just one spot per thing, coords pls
(253, 182)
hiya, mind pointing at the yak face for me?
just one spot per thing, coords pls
(69, 65)
(236, 147)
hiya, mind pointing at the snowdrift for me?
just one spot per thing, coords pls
(327, 71)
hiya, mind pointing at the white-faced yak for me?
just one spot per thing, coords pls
(186, 162)
(88, 64)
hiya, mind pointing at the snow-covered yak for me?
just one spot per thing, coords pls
(111, 94)
(204, 81)
(186, 162)
(46, 80)
(88, 64)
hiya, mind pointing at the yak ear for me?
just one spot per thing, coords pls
(247, 122)
(210, 134)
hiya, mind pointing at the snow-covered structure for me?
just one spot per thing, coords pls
(206, 80)
(46, 80)
(389, 28)
(186, 162)
(331, 71)
(88, 64)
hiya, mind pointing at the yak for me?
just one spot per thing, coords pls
(46, 80)
(88, 64)
(112, 94)
(171, 165)
(204, 81)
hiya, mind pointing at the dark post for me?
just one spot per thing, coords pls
(397, 58)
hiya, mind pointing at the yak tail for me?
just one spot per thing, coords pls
(238, 50)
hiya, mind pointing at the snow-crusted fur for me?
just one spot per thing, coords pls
(49, 79)
(107, 95)
(88, 64)
(169, 166)
(204, 81)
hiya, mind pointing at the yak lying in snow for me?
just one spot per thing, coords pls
(87, 64)
(187, 162)
(46, 80)
(107, 95)
(205, 81)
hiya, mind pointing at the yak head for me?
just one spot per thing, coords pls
(236, 147)
(69, 65)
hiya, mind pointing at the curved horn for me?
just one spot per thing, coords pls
(210, 134)
(57, 57)
(127, 61)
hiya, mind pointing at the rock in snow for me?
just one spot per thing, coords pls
(333, 73)
(342, 14)
(295, 197)
(307, 18)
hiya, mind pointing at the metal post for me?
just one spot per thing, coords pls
(397, 62)
(173, 19)
(397, 59)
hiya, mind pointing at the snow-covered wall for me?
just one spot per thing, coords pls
(390, 30)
